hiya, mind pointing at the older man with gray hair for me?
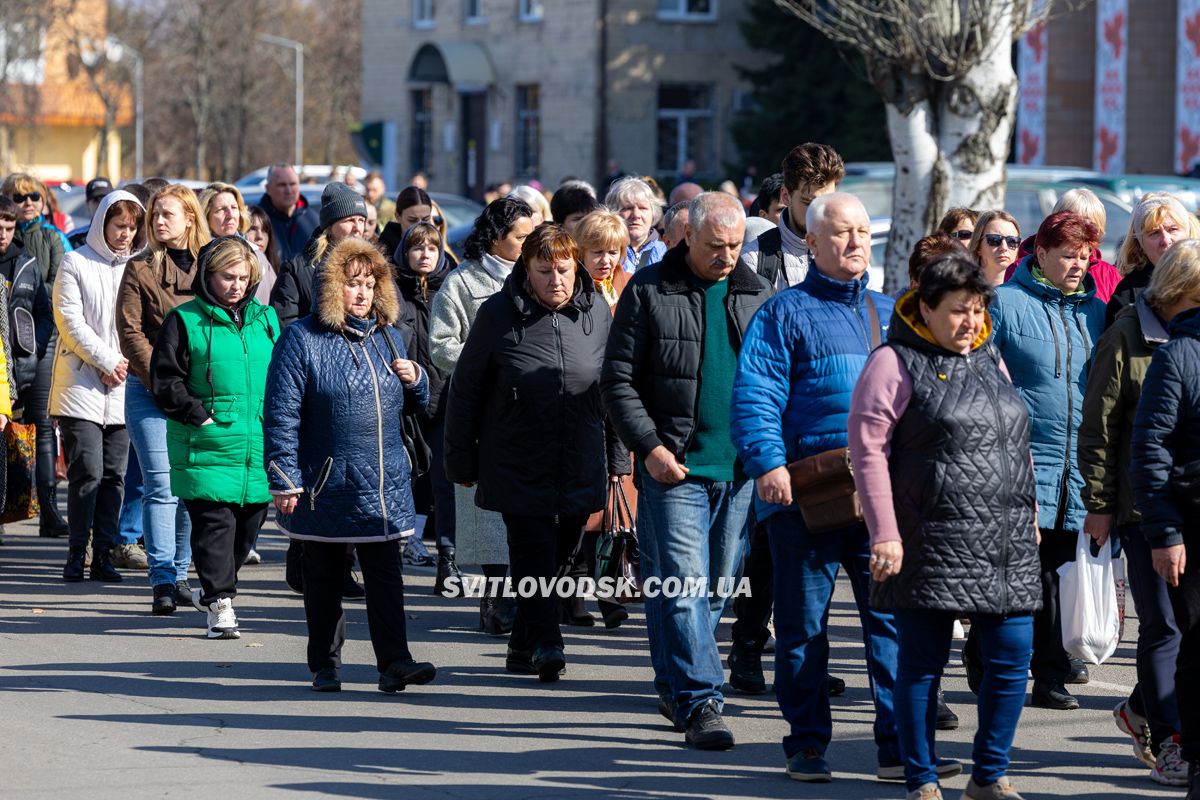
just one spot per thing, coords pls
(667, 379)
(800, 360)
(291, 218)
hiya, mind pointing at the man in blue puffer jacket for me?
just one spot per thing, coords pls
(802, 355)
(1047, 320)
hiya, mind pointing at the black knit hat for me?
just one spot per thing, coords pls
(339, 201)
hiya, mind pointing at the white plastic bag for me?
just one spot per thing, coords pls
(1087, 596)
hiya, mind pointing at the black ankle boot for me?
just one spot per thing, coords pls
(489, 620)
(51, 524)
(446, 569)
(1193, 781)
(102, 567)
(73, 571)
(572, 612)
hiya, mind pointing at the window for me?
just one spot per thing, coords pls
(421, 145)
(687, 10)
(473, 12)
(685, 127)
(422, 13)
(532, 10)
(529, 132)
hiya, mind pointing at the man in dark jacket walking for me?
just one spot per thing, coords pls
(667, 380)
(290, 215)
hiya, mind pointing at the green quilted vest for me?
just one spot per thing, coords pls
(223, 462)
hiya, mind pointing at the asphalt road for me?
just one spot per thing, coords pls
(98, 699)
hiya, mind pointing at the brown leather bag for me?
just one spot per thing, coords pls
(823, 485)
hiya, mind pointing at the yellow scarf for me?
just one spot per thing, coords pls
(605, 287)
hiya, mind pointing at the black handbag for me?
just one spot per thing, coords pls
(420, 454)
(617, 556)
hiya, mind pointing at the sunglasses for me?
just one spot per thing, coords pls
(21, 198)
(962, 235)
(995, 240)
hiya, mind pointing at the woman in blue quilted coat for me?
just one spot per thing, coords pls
(1047, 320)
(337, 386)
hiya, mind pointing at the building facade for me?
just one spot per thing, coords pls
(473, 92)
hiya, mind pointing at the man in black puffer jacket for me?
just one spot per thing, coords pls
(667, 384)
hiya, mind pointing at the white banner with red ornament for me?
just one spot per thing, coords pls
(1031, 77)
(1187, 89)
(1112, 51)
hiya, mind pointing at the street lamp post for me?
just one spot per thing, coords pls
(298, 47)
(139, 112)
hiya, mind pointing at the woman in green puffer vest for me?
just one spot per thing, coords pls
(208, 375)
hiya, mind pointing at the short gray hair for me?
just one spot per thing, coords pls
(276, 167)
(818, 209)
(672, 213)
(718, 207)
(632, 188)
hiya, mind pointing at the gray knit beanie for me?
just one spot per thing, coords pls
(339, 201)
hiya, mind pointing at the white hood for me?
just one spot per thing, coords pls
(95, 235)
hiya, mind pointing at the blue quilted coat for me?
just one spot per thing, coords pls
(332, 429)
(801, 357)
(1046, 339)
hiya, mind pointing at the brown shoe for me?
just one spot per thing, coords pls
(1000, 790)
(129, 556)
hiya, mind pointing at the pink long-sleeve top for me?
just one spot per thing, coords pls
(879, 400)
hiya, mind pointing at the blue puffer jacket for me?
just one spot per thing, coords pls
(332, 429)
(1165, 467)
(802, 355)
(1046, 339)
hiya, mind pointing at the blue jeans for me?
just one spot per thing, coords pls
(166, 527)
(806, 566)
(692, 529)
(1006, 645)
(129, 529)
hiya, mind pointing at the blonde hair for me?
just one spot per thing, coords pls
(230, 251)
(602, 230)
(985, 219)
(1152, 211)
(197, 235)
(216, 188)
(1176, 276)
(1085, 203)
(20, 183)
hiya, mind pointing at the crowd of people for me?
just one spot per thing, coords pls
(724, 371)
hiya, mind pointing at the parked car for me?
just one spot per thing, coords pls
(1130, 188)
(309, 173)
(457, 210)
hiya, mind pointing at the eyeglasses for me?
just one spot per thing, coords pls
(963, 235)
(995, 240)
(21, 198)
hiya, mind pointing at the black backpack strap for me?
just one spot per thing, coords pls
(873, 316)
(770, 255)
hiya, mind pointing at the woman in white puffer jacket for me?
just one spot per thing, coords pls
(88, 391)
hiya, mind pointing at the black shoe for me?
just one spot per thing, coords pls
(947, 720)
(489, 621)
(327, 680)
(520, 662)
(667, 709)
(164, 599)
(401, 674)
(183, 593)
(707, 731)
(73, 570)
(103, 569)
(549, 663)
(837, 686)
(972, 666)
(572, 612)
(745, 668)
(1054, 696)
(51, 524)
(506, 613)
(446, 569)
(1078, 673)
(1193, 782)
(615, 616)
(352, 589)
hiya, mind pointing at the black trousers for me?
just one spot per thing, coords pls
(222, 534)
(1050, 663)
(753, 613)
(539, 547)
(443, 489)
(34, 402)
(96, 458)
(1185, 602)
(324, 573)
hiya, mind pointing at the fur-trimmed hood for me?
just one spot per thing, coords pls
(330, 280)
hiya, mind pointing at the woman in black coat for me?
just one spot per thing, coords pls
(524, 421)
(1165, 473)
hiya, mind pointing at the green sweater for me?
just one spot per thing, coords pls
(711, 454)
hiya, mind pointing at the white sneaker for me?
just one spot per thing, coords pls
(1169, 768)
(222, 622)
(959, 632)
(253, 558)
(1137, 728)
(927, 791)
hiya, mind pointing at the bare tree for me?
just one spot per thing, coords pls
(944, 71)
